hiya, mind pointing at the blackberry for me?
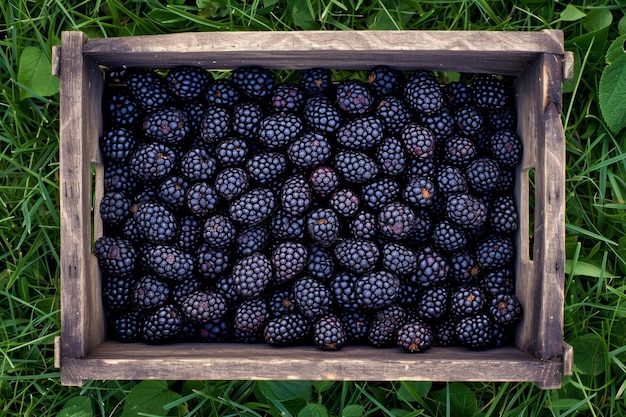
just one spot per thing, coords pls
(448, 237)
(432, 268)
(422, 167)
(267, 167)
(398, 259)
(345, 202)
(131, 232)
(188, 82)
(483, 175)
(127, 327)
(285, 226)
(204, 306)
(503, 214)
(409, 294)
(231, 183)
(253, 81)
(396, 221)
(251, 316)
(252, 239)
(393, 113)
(376, 289)
(328, 333)
(505, 309)
(149, 292)
(423, 93)
(116, 292)
(312, 297)
(253, 207)
(289, 329)
(459, 151)
(357, 255)
(390, 156)
(222, 92)
(494, 251)
(418, 140)
(315, 81)
(226, 286)
(120, 109)
(202, 199)
(295, 195)
(324, 180)
(288, 260)
(155, 222)
(173, 192)
(117, 144)
(489, 92)
(117, 177)
(323, 226)
(433, 304)
(181, 290)
(445, 334)
(475, 332)
(355, 166)
(309, 150)
(169, 262)
(415, 336)
(163, 325)
(148, 88)
(215, 124)
(378, 193)
(457, 94)
(466, 211)
(383, 327)
(212, 263)
(422, 230)
(503, 118)
(355, 325)
(499, 281)
(194, 112)
(232, 151)
(363, 225)
(280, 302)
(506, 148)
(450, 180)
(246, 118)
(321, 114)
(463, 267)
(215, 332)
(363, 132)
(419, 191)
(114, 208)
(197, 164)
(442, 123)
(342, 287)
(219, 231)
(116, 256)
(384, 80)
(467, 301)
(354, 97)
(469, 120)
(279, 130)
(251, 275)
(287, 97)
(167, 125)
(320, 263)
(152, 162)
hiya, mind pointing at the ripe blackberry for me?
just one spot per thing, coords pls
(163, 325)
(116, 256)
(168, 262)
(506, 148)
(117, 177)
(342, 287)
(409, 294)
(315, 81)
(432, 268)
(204, 306)
(357, 255)
(467, 301)
(197, 164)
(489, 92)
(355, 166)
(152, 162)
(246, 118)
(267, 167)
(324, 180)
(442, 123)
(376, 289)
(344, 201)
(505, 309)
(181, 290)
(323, 226)
(321, 114)
(383, 327)
(363, 225)
(398, 259)
(433, 304)
(483, 175)
(287, 97)
(219, 231)
(194, 112)
(120, 109)
(131, 232)
(475, 332)
(378, 193)
(320, 263)
(286, 330)
(167, 125)
(354, 97)
(448, 237)
(499, 281)
(252, 239)
(309, 150)
(296, 195)
(418, 140)
(468, 120)
(459, 151)
(503, 215)
(384, 80)
(355, 325)
(450, 180)
(419, 191)
(503, 118)
(312, 297)
(188, 82)
(390, 156)
(155, 222)
(114, 208)
(173, 192)
(363, 132)
(253, 207)
(215, 124)
(280, 302)
(422, 230)
(116, 292)
(415, 336)
(226, 286)
(212, 263)
(393, 113)
(127, 327)
(149, 292)
(253, 81)
(251, 316)
(215, 332)
(288, 260)
(117, 144)
(494, 251)
(463, 267)
(457, 94)
(251, 275)
(396, 221)
(231, 183)
(328, 333)
(444, 334)
(466, 211)
(232, 151)
(148, 88)
(423, 93)
(285, 226)
(222, 92)
(279, 130)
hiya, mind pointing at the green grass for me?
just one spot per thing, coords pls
(595, 309)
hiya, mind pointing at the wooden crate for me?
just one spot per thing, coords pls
(538, 62)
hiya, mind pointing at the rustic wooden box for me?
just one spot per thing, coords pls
(536, 59)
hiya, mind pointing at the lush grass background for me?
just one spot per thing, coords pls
(593, 114)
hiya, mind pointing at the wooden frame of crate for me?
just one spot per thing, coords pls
(536, 59)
